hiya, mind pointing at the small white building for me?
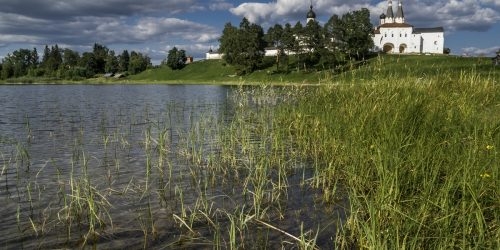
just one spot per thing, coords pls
(211, 55)
(394, 35)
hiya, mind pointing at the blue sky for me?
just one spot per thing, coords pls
(155, 26)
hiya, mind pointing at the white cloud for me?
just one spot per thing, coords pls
(480, 51)
(453, 15)
(220, 5)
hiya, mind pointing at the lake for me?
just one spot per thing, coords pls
(147, 166)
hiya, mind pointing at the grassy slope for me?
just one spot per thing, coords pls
(215, 71)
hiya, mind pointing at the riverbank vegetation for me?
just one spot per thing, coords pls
(58, 64)
(416, 149)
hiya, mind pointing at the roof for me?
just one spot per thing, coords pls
(399, 13)
(311, 13)
(389, 10)
(428, 30)
(395, 25)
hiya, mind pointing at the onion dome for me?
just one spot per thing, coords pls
(383, 16)
(311, 13)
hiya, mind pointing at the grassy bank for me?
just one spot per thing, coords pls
(417, 148)
(384, 66)
(218, 72)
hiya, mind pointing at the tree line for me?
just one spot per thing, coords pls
(341, 39)
(69, 64)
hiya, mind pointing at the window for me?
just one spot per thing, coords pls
(435, 42)
(406, 35)
(392, 35)
(386, 35)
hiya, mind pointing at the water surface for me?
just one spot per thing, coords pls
(59, 139)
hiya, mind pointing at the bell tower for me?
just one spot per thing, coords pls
(311, 16)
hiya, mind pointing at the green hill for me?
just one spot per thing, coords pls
(377, 67)
(216, 71)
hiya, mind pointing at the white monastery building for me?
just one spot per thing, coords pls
(394, 35)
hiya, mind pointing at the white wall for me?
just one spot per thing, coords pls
(213, 56)
(415, 43)
(433, 43)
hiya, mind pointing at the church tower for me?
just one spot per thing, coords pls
(389, 17)
(311, 16)
(400, 17)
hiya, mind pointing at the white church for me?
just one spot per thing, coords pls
(395, 36)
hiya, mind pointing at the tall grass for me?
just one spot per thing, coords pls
(418, 155)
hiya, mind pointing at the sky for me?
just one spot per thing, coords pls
(153, 27)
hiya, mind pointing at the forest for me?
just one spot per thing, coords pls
(68, 64)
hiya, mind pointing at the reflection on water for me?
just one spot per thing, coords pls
(123, 162)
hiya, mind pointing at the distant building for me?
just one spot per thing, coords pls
(213, 55)
(395, 36)
(311, 16)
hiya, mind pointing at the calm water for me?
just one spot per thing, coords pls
(56, 138)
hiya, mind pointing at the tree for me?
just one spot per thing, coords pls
(289, 40)
(111, 63)
(243, 47)
(176, 59)
(353, 35)
(332, 31)
(100, 55)
(312, 39)
(229, 43)
(70, 58)
(297, 46)
(446, 51)
(7, 68)
(34, 58)
(138, 62)
(123, 61)
(88, 62)
(18, 64)
(52, 59)
(275, 37)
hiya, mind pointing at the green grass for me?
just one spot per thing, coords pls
(218, 72)
(420, 66)
(416, 146)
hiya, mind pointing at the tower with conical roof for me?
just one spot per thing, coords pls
(311, 16)
(389, 16)
(400, 17)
